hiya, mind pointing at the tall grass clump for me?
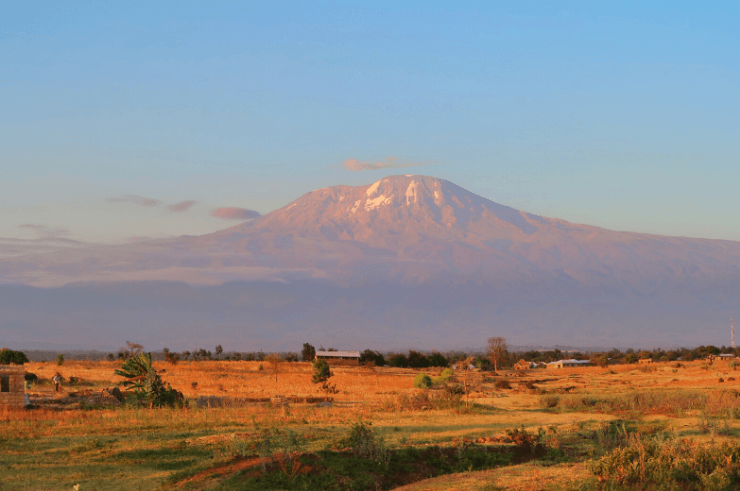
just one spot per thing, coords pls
(681, 465)
(673, 402)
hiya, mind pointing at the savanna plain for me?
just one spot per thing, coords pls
(664, 425)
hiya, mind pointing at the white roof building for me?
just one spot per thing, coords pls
(342, 355)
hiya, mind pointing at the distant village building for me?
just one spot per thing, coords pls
(727, 356)
(644, 361)
(339, 357)
(568, 364)
(522, 365)
(12, 386)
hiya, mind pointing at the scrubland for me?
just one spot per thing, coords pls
(658, 426)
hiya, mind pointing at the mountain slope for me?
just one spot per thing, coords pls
(409, 260)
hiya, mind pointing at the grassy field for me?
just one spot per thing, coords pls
(580, 428)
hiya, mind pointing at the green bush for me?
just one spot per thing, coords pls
(60, 359)
(446, 374)
(422, 381)
(321, 372)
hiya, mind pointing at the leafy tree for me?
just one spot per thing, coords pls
(8, 356)
(599, 360)
(372, 356)
(291, 357)
(630, 358)
(398, 360)
(308, 353)
(146, 384)
(496, 351)
(219, 350)
(437, 359)
(60, 359)
(201, 355)
(170, 356)
(417, 360)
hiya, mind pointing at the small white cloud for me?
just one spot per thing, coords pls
(390, 163)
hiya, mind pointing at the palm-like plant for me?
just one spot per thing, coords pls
(146, 384)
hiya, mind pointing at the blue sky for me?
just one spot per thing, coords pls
(622, 115)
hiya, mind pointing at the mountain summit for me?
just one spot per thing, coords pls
(416, 228)
(388, 264)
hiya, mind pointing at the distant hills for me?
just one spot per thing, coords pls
(408, 261)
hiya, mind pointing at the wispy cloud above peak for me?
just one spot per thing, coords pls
(390, 162)
(230, 213)
(44, 230)
(134, 199)
(181, 207)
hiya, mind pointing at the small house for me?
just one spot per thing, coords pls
(644, 361)
(568, 364)
(339, 357)
(522, 365)
(12, 386)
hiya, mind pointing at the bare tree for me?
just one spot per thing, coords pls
(274, 360)
(496, 351)
(468, 379)
(133, 348)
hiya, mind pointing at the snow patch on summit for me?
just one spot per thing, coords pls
(357, 205)
(411, 193)
(438, 199)
(371, 190)
(371, 204)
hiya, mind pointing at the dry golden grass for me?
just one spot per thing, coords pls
(380, 396)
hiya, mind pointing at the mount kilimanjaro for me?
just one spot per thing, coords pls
(408, 261)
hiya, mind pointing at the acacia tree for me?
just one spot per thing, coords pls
(496, 351)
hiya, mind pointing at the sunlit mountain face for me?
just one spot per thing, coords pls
(407, 261)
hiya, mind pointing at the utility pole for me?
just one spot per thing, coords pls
(732, 329)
